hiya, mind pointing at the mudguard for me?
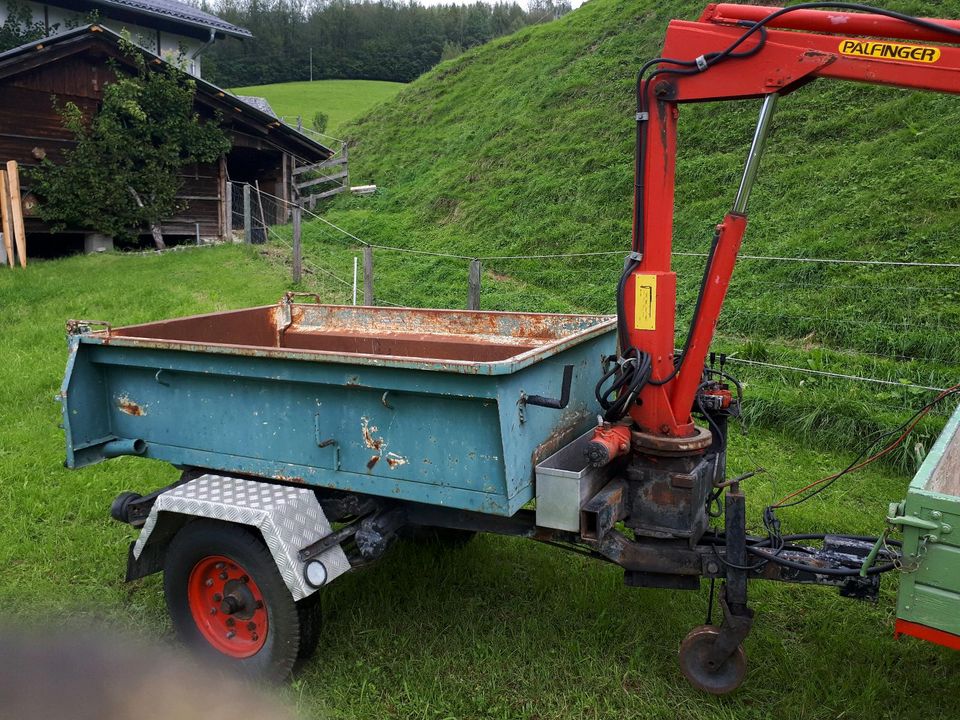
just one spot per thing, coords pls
(288, 518)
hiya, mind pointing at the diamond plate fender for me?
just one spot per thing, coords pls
(289, 518)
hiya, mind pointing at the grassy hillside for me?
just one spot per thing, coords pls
(524, 146)
(502, 628)
(341, 100)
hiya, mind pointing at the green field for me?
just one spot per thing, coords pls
(497, 629)
(524, 147)
(341, 100)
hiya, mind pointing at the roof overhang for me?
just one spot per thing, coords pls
(169, 17)
(243, 117)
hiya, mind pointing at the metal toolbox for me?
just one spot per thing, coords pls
(928, 602)
(565, 481)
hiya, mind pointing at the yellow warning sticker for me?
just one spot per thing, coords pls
(890, 51)
(645, 308)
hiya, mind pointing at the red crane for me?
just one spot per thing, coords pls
(734, 52)
(651, 392)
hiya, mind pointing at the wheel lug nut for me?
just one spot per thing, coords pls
(230, 622)
(208, 582)
(217, 597)
(213, 611)
(251, 626)
(254, 637)
(219, 566)
(231, 635)
(244, 579)
(223, 576)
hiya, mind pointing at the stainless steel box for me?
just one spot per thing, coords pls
(565, 482)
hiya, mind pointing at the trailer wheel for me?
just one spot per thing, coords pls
(701, 672)
(311, 623)
(227, 600)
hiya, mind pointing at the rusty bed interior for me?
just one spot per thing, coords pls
(442, 335)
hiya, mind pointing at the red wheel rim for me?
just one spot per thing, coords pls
(227, 606)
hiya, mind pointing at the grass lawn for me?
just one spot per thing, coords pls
(500, 628)
(341, 100)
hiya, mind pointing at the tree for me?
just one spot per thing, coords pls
(319, 122)
(450, 51)
(122, 174)
(19, 27)
(371, 39)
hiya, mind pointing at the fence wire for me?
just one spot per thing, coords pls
(882, 334)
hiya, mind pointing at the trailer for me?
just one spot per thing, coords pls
(289, 419)
(311, 436)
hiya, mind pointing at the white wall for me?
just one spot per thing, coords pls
(170, 45)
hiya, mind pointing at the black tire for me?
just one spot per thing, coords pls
(311, 625)
(192, 547)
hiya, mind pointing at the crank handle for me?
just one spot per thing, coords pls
(554, 403)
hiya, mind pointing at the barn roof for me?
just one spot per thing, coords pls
(169, 10)
(261, 103)
(265, 127)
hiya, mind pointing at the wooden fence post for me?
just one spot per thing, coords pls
(367, 275)
(473, 286)
(247, 216)
(297, 257)
(228, 212)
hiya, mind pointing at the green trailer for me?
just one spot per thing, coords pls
(928, 603)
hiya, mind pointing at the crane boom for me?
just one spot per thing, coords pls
(736, 52)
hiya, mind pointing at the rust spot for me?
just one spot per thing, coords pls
(561, 434)
(374, 459)
(395, 461)
(373, 443)
(128, 406)
(288, 478)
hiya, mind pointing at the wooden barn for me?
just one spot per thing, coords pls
(74, 67)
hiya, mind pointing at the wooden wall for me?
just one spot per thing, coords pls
(30, 126)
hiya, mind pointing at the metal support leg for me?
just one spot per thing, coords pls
(711, 658)
(737, 617)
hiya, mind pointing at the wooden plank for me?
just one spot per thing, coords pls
(320, 196)
(19, 233)
(5, 213)
(338, 160)
(323, 179)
